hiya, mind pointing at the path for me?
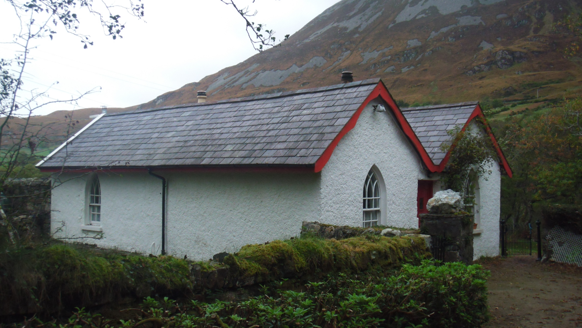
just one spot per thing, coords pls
(526, 293)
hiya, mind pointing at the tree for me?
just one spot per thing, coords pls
(545, 152)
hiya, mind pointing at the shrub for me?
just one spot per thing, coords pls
(449, 295)
(58, 276)
(63, 276)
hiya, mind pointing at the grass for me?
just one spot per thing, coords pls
(521, 247)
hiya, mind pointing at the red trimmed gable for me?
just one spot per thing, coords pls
(382, 92)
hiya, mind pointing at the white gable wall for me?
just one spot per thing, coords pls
(209, 213)
(131, 210)
(375, 140)
(487, 242)
(486, 237)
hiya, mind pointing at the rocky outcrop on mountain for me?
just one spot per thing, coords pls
(503, 60)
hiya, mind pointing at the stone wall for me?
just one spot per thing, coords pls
(329, 231)
(457, 230)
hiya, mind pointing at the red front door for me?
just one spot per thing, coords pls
(424, 194)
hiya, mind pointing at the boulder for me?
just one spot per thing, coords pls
(391, 233)
(427, 238)
(445, 202)
(220, 257)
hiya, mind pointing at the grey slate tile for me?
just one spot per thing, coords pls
(291, 128)
(431, 124)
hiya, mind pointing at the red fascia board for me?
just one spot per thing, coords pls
(380, 91)
(489, 131)
(479, 113)
(214, 169)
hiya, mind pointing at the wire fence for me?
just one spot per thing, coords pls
(564, 246)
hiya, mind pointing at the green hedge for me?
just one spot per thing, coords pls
(63, 276)
(60, 276)
(450, 295)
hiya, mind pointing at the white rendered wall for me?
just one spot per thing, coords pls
(375, 140)
(130, 211)
(209, 213)
(487, 243)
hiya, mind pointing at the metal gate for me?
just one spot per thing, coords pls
(520, 238)
(440, 245)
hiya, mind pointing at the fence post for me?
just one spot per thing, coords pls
(538, 223)
(530, 237)
(502, 233)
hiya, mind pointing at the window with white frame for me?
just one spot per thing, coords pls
(371, 200)
(94, 202)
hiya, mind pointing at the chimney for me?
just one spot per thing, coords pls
(201, 97)
(104, 110)
(347, 76)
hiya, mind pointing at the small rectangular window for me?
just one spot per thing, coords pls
(95, 202)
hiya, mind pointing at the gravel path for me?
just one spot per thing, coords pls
(526, 293)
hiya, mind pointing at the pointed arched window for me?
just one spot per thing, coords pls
(372, 200)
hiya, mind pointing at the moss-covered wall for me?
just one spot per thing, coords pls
(56, 277)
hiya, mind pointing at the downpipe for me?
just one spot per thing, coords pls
(163, 209)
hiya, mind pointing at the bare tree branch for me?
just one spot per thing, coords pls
(258, 34)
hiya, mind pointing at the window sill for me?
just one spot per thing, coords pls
(93, 228)
(477, 231)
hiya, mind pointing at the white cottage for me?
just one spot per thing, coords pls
(205, 178)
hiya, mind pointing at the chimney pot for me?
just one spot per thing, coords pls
(104, 110)
(201, 97)
(347, 76)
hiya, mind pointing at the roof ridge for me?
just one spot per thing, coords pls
(261, 97)
(467, 103)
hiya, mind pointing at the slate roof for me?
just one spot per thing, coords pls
(292, 128)
(431, 123)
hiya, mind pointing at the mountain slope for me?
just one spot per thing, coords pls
(425, 50)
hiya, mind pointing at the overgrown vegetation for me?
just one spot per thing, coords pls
(544, 149)
(428, 295)
(39, 277)
(51, 278)
(472, 153)
(310, 255)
